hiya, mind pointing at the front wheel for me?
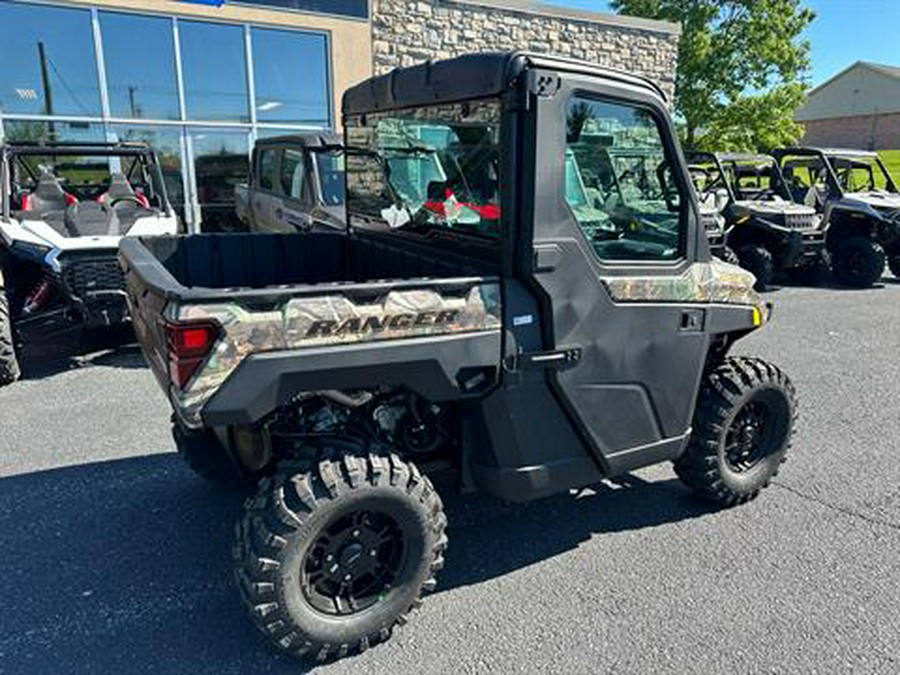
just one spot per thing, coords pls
(329, 558)
(758, 260)
(742, 429)
(858, 262)
(9, 363)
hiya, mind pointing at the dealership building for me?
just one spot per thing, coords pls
(201, 80)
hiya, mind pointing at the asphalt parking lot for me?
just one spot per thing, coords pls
(115, 558)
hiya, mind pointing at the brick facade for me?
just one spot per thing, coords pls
(405, 32)
(867, 132)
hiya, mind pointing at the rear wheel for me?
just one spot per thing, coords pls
(9, 363)
(206, 457)
(758, 260)
(858, 262)
(742, 429)
(330, 557)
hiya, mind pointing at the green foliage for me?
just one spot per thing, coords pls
(741, 68)
(891, 159)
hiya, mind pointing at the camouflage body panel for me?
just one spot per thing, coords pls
(330, 319)
(709, 282)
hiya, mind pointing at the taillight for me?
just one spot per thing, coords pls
(189, 344)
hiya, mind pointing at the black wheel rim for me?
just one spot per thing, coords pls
(353, 563)
(751, 436)
(855, 263)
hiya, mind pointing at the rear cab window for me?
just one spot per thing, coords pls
(427, 170)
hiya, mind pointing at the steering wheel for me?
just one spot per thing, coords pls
(125, 199)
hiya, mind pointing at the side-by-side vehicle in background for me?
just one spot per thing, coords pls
(494, 311)
(760, 222)
(65, 207)
(296, 184)
(859, 203)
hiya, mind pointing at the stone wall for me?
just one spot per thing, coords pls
(405, 32)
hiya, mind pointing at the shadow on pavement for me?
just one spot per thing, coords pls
(124, 566)
(114, 348)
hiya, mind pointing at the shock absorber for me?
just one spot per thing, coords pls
(38, 295)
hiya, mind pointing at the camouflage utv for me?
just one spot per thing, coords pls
(492, 323)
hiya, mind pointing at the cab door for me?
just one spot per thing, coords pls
(614, 236)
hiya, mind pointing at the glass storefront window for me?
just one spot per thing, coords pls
(28, 130)
(167, 143)
(290, 73)
(220, 163)
(49, 64)
(215, 71)
(139, 86)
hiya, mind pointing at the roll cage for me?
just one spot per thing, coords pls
(721, 160)
(13, 167)
(827, 157)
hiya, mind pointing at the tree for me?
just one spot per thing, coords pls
(742, 68)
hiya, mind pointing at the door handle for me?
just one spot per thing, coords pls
(557, 358)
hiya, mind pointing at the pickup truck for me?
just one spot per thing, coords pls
(296, 184)
(475, 321)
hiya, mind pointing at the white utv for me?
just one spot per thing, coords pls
(65, 207)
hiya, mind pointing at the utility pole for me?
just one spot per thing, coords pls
(48, 92)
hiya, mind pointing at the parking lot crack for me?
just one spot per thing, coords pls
(837, 507)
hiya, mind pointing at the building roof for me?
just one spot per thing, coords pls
(862, 88)
(467, 77)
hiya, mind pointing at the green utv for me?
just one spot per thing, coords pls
(860, 206)
(761, 226)
(470, 322)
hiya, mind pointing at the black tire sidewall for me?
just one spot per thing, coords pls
(9, 367)
(875, 261)
(414, 521)
(758, 261)
(759, 475)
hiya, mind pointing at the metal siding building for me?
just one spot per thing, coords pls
(857, 108)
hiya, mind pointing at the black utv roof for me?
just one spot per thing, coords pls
(463, 78)
(320, 139)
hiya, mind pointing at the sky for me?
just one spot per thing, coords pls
(843, 32)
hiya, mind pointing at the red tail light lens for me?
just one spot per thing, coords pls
(189, 344)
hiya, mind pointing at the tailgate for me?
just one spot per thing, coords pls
(146, 281)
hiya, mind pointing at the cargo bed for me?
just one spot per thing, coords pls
(262, 293)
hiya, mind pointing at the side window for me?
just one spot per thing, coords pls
(293, 171)
(267, 168)
(619, 182)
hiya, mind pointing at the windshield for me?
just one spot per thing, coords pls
(86, 177)
(434, 167)
(860, 173)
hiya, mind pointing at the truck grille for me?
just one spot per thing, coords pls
(86, 276)
(800, 221)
